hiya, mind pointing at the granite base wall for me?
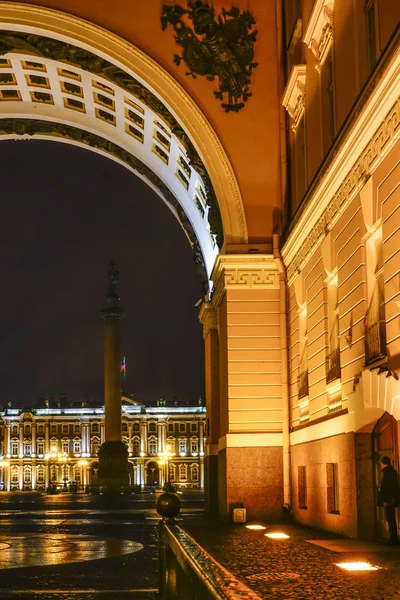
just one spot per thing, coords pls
(314, 456)
(252, 478)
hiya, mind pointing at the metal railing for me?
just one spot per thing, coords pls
(188, 571)
(332, 366)
(303, 384)
(375, 341)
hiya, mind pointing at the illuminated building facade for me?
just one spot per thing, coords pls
(43, 448)
(341, 256)
(291, 206)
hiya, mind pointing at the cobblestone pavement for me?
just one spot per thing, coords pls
(294, 567)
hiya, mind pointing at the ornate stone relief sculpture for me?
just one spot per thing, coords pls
(219, 49)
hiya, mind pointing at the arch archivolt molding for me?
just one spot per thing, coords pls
(204, 142)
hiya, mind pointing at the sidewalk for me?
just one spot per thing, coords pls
(302, 566)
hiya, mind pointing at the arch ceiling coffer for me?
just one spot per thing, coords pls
(60, 90)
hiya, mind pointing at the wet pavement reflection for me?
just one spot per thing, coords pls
(50, 549)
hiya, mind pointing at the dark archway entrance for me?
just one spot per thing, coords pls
(152, 475)
(385, 443)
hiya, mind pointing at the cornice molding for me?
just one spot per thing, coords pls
(294, 95)
(374, 132)
(238, 272)
(381, 143)
(318, 35)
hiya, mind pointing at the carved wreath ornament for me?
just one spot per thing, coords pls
(220, 49)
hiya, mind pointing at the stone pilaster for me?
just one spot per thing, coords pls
(208, 318)
(246, 299)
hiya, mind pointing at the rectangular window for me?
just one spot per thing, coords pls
(327, 103)
(14, 448)
(332, 487)
(182, 427)
(302, 487)
(370, 14)
(171, 427)
(77, 447)
(182, 445)
(375, 318)
(300, 164)
(333, 355)
(40, 447)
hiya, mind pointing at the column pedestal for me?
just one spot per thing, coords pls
(113, 462)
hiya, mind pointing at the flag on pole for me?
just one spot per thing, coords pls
(123, 365)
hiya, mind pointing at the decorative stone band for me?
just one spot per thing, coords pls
(370, 132)
(241, 271)
(384, 138)
(208, 318)
(255, 439)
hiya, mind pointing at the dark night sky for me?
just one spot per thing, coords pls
(65, 213)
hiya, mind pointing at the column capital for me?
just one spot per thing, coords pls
(208, 318)
(243, 271)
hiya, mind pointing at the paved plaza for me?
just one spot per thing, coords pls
(92, 548)
(302, 566)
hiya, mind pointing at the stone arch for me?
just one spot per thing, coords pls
(203, 155)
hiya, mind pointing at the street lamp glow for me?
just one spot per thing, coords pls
(357, 566)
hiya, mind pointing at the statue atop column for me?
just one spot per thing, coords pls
(112, 279)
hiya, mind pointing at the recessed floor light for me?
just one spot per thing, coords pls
(357, 566)
(255, 527)
(277, 536)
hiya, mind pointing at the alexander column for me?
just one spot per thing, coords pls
(113, 454)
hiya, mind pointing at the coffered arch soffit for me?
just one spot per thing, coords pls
(64, 79)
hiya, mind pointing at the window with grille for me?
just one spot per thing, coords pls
(194, 473)
(302, 487)
(152, 446)
(14, 474)
(40, 474)
(332, 487)
(136, 447)
(27, 475)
